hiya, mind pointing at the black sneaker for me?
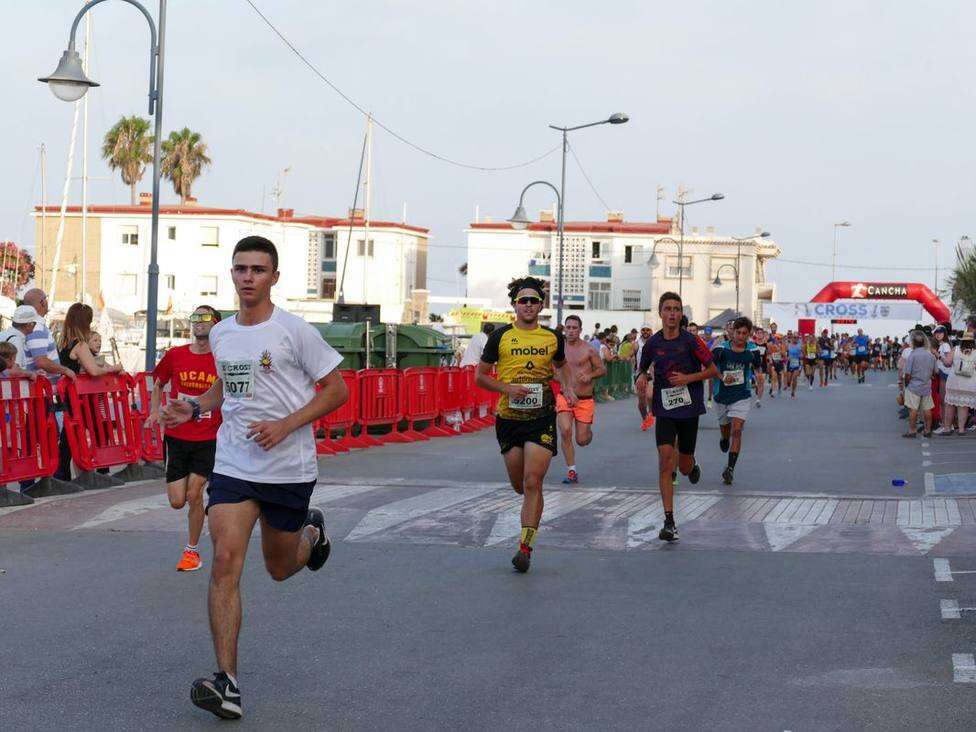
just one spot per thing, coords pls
(669, 532)
(218, 695)
(723, 444)
(522, 559)
(727, 476)
(695, 475)
(323, 547)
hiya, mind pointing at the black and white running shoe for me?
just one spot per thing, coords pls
(727, 476)
(218, 695)
(323, 547)
(669, 532)
(695, 475)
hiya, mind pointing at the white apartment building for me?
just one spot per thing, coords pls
(609, 272)
(386, 263)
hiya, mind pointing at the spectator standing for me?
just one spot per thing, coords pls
(74, 352)
(24, 322)
(960, 396)
(919, 369)
(472, 354)
(943, 355)
(42, 356)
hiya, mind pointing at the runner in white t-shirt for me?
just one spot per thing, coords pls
(268, 365)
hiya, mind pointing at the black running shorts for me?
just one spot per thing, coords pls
(516, 432)
(284, 506)
(860, 359)
(685, 431)
(184, 457)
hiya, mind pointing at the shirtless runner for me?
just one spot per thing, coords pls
(586, 365)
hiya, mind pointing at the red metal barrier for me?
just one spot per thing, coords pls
(342, 419)
(102, 428)
(469, 401)
(419, 399)
(380, 404)
(28, 430)
(151, 439)
(449, 384)
(487, 400)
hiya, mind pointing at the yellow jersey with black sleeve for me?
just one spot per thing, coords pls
(526, 357)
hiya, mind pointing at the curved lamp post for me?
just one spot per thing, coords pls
(69, 83)
(681, 244)
(617, 118)
(520, 220)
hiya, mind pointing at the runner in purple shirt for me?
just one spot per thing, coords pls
(681, 363)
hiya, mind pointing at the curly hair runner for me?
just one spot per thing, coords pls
(526, 283)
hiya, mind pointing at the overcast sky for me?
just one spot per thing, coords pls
(802, 114)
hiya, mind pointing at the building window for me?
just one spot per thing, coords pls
(676, 270)
(171, 233)
(632, 254)
(209, 236)
(330, 247)
(595, 250)
(328, 288)
(208, 285)
(169, 282)
(632, 300)
(130, 235)
(725, 264)
(128, 284)
(599, 296)
(361, 245)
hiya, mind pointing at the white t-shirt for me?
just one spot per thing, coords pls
(944, 348)
(472, 354)
(268, 371)
(12, 335)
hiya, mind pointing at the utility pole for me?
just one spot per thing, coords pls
(369, 195)
(39, 260)
(84, 169)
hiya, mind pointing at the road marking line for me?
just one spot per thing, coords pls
(925, 444)
(330, 493)
(924, 540)
(780, 535)
(414, 507)
(929, 484)
(963, 668)
(508, 525)
(135, 507)
(942, 571)
(926, 463)
(950, 609)
(926, 453)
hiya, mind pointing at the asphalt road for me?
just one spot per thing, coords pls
(844, 439)
(809, 596)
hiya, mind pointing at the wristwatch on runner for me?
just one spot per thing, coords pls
(195, 403)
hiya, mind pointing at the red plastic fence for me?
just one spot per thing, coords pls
(419, 399)
(151, 438)
(101, 426)
(381, 404)
(341, 420)
(28, 430)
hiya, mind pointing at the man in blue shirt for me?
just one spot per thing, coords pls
(735, 362)
(42, 357)
(861, 344)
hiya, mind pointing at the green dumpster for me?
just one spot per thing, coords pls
(349, 340)
(416, 345)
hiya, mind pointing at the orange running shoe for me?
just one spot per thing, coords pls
(648, 422)
(190, 562)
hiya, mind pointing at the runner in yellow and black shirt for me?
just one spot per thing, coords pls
(528, 356)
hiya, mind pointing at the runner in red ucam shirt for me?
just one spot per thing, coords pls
(189, 371)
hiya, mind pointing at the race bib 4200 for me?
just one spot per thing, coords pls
(532, 400)
(238, 378)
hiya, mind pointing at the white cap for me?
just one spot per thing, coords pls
(648, 326)
(24, 314)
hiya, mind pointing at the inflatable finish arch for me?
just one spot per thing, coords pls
(886, 291)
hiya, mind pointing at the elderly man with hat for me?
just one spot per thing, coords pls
(24, 320)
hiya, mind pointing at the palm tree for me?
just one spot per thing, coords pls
(184, 157)
(128, 148)
(962, 281)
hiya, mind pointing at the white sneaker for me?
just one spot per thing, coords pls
(943, 431)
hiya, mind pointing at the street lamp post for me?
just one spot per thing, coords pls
(833, 261)
(936, 242)
(520, 220)
(681, 244)
(618, 118)
(738, 266)
(718, 283)
(69, 83)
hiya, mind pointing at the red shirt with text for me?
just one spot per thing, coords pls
(189, 375)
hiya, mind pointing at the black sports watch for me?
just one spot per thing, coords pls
(195, 403)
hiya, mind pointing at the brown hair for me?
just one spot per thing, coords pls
(7, 350)
(77, 324)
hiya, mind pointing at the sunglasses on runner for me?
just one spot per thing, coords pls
(528, 301)
(201, 317)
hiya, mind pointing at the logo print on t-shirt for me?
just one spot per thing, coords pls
(266, 361)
